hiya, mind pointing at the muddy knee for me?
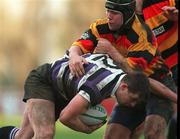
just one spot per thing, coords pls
(155, 127)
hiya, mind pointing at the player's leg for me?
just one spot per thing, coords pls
(114, 131)
(25, 131)
(137, 132)
(159, 112)
(38, 121)
(123, 121)
(40, 104)
(42, 118)
(7, 132)
(155, 127)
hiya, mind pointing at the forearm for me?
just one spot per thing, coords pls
(76, 125)
(74, 51)
(162, 90)
(120, 60)
(70, 115)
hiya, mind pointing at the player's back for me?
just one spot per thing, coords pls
(101, 77)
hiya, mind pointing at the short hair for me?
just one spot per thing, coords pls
(138, 83)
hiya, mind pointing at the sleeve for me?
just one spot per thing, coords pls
(84, 95)
(87, 41)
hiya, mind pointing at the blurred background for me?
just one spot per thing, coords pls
(33, 32)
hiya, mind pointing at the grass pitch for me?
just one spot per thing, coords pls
(62, 132)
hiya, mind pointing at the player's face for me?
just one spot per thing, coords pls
(115, 19)
(125, 97)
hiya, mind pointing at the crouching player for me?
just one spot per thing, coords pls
(52, 92)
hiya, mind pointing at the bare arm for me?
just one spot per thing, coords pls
(70, 115)
(171, 12)
(104, 46)
(162, 90)
(76, 61)
(159, 88)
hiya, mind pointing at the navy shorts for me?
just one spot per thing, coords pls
(132, 117)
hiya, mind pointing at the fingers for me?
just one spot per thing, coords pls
(95, 127)
(77, 70)
(170, 9)
(77, 67)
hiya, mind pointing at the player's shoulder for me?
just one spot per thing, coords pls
(141, 28)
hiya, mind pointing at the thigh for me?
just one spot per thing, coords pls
(116, 131)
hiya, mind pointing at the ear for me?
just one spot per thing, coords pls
(123, 86)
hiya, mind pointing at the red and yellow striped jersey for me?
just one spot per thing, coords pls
(164, 29)
(137, 44)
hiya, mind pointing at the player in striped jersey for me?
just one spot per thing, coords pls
(129, 41)
(52, 92)
(162, 17)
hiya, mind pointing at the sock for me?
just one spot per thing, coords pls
(8, 132)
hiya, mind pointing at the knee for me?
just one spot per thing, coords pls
(155, 127)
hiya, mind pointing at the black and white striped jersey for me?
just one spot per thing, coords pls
(101, 80)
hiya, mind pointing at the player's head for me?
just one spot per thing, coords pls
(122, 11)
(134, 88)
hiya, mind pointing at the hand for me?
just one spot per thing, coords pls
(92, 128)
(76, 65)
(103, 46)
(171, 12)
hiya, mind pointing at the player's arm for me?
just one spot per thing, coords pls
(162, 90)
(70, 115)
(104, 46)
(85, 44)
(76, 61)
(171, 12)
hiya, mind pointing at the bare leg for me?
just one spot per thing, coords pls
(39, 120)
(138, 132)
(155, 127)
(25, 131)
(116, 131)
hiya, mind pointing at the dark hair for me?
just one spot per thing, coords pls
(138, 83)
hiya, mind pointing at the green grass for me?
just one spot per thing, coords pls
(62, 132)
(66, 133)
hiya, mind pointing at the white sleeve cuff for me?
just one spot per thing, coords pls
(84, 95)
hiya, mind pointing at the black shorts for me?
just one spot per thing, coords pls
(38, 85)
(132, 117)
